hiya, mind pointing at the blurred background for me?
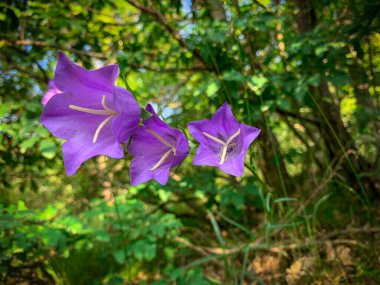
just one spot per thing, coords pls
(306, 72)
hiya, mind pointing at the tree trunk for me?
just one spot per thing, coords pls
(306, 21)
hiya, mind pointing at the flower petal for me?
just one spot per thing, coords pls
(53, 90)
(153, 146)
(79, 128)
(182, 150)
(127, 120)
(76, 151)
(234, 165)
(248, 134)
(155, 123)
(225, 120)
(197, 128)
(147, 151)
(70, 77)
(213, 136)
(140, 174)
(205, 156)
(66, 123)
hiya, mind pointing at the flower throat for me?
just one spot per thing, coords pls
(227, 146)
(105, 112)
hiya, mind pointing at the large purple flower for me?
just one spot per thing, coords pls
(223, 141)
(53, 90)
(93, 115)
(156, 148)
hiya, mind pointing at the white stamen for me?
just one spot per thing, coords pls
(102, 124)
(92, 111)
(214, 138)
(233, 136)
(104, 103)
(226, 145)
(163, 158)
(106, 112)
(223, 154)
(161, 139)
(166, 154)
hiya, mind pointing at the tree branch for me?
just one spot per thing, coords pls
(54, 46)
(162, 20)
(169, 69)
(18, 68)
(297, 116)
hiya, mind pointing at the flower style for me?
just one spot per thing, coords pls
(156, 148)
(223, 141)
(92, 115)
(53, 90)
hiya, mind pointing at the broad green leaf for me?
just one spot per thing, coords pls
(119, 256)
(28, 143)
(48, 149)
(103, 236)
(233, 75)
(212, 88)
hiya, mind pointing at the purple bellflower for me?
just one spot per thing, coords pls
(156, 148)
(92, 115)
(52, 91)
(223, 141)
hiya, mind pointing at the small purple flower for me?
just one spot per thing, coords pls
(53, 90)
(156, 148)
(223, 141)
(93, 115)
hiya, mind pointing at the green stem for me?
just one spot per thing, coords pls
(341, 147)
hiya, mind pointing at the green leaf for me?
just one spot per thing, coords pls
(150, 251)
(285, 199)
(233, 75)
(102, 236)
(48, 149)
(21, 206)
(137, 249)
(340, 78)
(72, 224)
(52, 237)
(216, 228)
(318, 205)
(28, 143)
(320, 50)
(337, 45)
(47, 214)
(212, 88)
(314, 80)
(288, 225)
(164, 195)
(257, 84)
(42, 132)
(119, 256)
(267, 203)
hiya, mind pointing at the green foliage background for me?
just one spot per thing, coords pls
(305, 72)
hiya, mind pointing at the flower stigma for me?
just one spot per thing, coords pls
(227, 147)
(166, 154)
(105, 112)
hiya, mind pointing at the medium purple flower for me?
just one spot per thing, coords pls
(93, 115)
(52, 91)
(223, 141)
(156, 148)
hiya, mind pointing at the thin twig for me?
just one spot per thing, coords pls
(54, 46)
(321, 239)
(153, 11)
(169, 69)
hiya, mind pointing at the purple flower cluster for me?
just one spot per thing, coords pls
(95, 117)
